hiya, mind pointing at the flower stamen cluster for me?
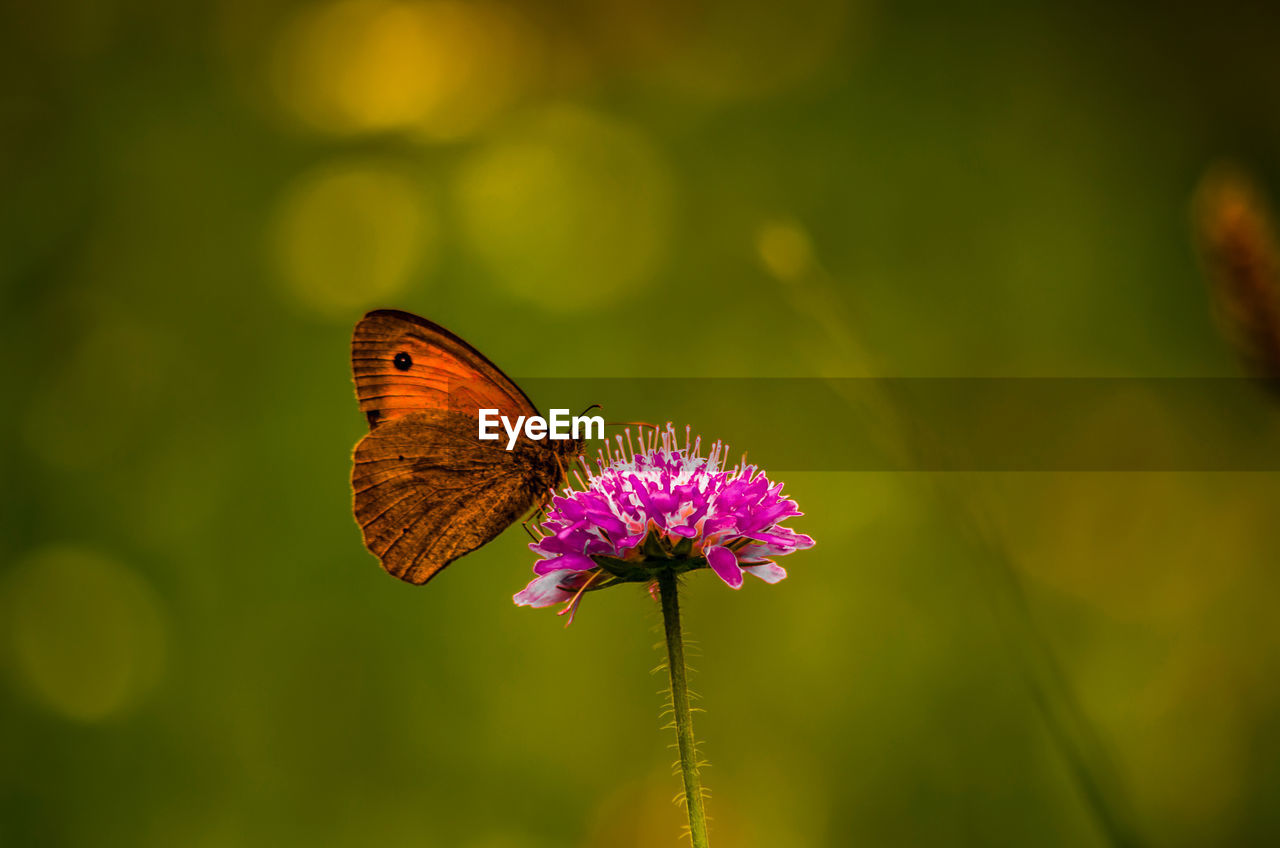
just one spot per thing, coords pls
(661, 507)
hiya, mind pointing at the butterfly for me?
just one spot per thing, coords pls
(427, 489)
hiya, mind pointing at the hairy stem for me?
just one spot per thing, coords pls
(680, 707)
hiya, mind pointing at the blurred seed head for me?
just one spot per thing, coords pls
(1235, 234)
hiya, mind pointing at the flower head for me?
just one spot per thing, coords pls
(663, 506)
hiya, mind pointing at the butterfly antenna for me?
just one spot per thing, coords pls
(591, 407)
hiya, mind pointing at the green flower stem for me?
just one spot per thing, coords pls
(680, 707)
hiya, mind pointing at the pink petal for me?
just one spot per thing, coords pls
(801, 541)
(725, 565)
(544, 591)
(571, 562)
(768, 572)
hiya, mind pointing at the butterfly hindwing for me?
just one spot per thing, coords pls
(427, 491)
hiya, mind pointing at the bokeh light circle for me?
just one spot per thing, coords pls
(784, 250)
(351, 235)
(568, 209)
(438, 68)
(86, 633)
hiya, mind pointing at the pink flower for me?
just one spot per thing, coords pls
(664, 506)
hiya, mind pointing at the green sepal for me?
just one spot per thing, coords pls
(623, 571)
(644, 570)
(655, 546)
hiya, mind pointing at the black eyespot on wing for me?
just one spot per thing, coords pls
(403, 361)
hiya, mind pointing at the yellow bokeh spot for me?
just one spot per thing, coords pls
(85, 633)
(442, 69)
(351, 236)
(785, 250)
(570, 209)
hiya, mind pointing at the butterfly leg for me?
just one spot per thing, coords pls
(537, 517)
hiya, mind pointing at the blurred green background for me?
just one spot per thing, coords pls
(201, 198)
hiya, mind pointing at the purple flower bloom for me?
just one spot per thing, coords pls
(661, 507)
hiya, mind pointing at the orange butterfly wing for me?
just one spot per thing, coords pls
(426, 489)
(404, 364)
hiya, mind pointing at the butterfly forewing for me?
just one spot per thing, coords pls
(404, 364)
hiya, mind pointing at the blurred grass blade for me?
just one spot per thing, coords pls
(1087, 757)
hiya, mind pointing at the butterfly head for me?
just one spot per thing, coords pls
(570, 449)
